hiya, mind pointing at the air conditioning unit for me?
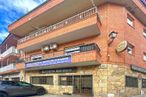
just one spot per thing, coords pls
(53, 46)
(45, 48)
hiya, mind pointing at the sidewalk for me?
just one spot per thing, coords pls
(140, 96)
(49, 95)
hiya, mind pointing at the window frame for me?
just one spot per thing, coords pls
(144, 57)
(130, 47)
(130, 20)
(42, 80)
(144, 33)
(129, 83)
(143, 84)
(36, 57)
(66, 82)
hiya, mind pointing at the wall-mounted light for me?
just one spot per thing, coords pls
(112, 36)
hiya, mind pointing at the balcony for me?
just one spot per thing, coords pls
(50, 12)
(60, 59)
(68, 30)
(11, 51)
(7, 68)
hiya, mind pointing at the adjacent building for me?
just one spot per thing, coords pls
(85, 47)
(8, 59)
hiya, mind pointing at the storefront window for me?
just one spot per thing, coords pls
(131, 81)
(65, 80)
(42, 80)
(143, 83)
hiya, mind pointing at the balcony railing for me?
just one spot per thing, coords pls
(61, 24)
(82, 49)
(8, 68)
(10, 51)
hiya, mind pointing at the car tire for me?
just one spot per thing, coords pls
(3, 94)
(41, 92)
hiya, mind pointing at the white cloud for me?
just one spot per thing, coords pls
(24, 5)
(3, 34)
(13, 9)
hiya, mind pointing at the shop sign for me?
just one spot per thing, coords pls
(144, 2)
(63, 70)
(48, 62)
(138, 69)
(122, 46)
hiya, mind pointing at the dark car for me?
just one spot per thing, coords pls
(19, 88)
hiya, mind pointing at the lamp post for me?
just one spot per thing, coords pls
(112, 36)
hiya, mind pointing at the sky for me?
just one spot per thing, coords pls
(11, 10)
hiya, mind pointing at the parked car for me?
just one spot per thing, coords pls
(19, 88)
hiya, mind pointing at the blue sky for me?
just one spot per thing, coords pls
(11, 10)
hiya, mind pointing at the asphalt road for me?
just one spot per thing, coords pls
(140, 96)
(59, 96)
(48, 95)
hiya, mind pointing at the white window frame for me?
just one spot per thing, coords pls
(130, 49)
(144, 33)
(130, 21)
(144, 57)
(36, 56)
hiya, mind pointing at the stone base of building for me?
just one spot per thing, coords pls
(105, 80)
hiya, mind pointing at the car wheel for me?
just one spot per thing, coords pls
(3, 94)
(41, 92)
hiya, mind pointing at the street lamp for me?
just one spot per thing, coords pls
(112, 36)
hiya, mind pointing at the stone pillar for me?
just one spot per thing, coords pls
(22, 75)
(100, 81)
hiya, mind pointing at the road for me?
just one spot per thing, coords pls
(74, 96)
(59, 96)
(140, 96)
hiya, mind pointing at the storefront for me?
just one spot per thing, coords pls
(77, 80)
(13, 76)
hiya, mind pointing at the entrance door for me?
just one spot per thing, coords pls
(77, 85)
(83, 85)
(86, 84)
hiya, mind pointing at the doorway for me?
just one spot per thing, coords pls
(83, 85)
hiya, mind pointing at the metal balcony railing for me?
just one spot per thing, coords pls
(82, 48)
(61, 24)
(12, 50)
(8, 67)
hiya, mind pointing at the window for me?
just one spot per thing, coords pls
(143, 83)
(131, 81)
(144, 33)
(42, 80)
(130, 21)
(72, 50)
(66, 80)
(81, 48)
(36, 57)
(130, 49)
(144, 57)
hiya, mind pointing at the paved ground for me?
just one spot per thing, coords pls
(73, 96)
(60, 96)
(140, 96)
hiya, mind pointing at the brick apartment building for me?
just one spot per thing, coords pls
(8, 58)
(85, 47)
